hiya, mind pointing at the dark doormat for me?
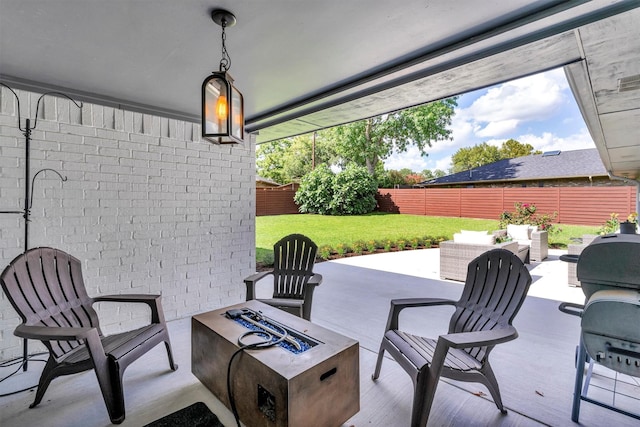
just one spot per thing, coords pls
(196, 415)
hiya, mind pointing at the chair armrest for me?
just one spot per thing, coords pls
(153, 301)
(314, 281)
(480, 338)
(144, 298)
(257, 276)
(397, 305)
(403, 303)
(91, 339)
(250, 282)
(48, 333)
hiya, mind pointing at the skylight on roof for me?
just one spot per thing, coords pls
(551, 153)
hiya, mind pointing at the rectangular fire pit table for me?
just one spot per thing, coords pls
(274, 386)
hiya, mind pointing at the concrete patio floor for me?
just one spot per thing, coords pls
(535, 372)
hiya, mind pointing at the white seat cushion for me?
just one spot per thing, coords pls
(474, 238)
(519, 232)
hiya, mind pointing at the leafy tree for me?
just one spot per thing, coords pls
(478, 155)
(270, 160)
(428, 174)
(367, 142)
(390, 179)
(482, 154)
(431, 174)
(290, 159)
(413, 178)
(405, 172)
(511, 149)
(350, 192)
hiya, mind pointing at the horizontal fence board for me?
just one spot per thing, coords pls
(442, 202)
(573, 205)
(484, 202)
(275, 201)
(401, 201)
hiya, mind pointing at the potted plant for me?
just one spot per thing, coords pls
(630, 225)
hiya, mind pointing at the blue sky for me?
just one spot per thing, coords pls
(539, 110)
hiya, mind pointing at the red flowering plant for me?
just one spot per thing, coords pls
(526, 213)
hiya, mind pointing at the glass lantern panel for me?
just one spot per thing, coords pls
(216, 106)
(237, 119)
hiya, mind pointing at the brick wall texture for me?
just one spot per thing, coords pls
(147, 206)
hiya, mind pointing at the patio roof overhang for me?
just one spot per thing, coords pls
(308, 65)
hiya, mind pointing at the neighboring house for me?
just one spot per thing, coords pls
(580, 168)
(265, 183)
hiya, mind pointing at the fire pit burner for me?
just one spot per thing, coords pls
(290, 339)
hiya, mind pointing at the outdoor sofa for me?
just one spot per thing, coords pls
(523, 240)
(527, 236)
(455, 255)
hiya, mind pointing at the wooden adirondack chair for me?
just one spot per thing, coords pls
(46, 288)
(496, 285)
(293, 278)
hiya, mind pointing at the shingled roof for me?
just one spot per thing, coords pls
(549, 165)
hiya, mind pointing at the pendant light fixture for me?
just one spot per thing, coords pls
(222, 103)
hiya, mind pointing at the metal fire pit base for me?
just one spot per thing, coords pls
(273, 387)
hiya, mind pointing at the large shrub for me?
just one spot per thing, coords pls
(316, 191)
(351, 192)
(354, 192)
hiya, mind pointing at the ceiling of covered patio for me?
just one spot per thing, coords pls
(308, 65)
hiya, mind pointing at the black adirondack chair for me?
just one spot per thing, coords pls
(293, 278)
(496, 285)
(46, 288)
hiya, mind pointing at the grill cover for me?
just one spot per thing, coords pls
(610, 330)
(610, 262)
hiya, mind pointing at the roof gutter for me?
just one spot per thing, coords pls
(630, 181)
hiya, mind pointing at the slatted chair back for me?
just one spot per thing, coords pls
(294, 257)
(496, 286)
(46, 288)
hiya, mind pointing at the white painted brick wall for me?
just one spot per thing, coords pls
(147, 207)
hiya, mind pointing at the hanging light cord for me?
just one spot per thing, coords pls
(225, 61)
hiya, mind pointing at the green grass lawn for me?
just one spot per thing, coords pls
(334, 230)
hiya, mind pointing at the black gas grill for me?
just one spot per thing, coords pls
(609, 273)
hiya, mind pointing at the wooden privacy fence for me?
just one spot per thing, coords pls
(275, 201)
(574, 205)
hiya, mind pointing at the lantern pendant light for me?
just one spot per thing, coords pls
(222, 103)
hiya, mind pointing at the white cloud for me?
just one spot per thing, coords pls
(503, 108)
(500, 128)
(410, 159)
(462, 133)
(550, 142)
(443, 164)
(532, 110)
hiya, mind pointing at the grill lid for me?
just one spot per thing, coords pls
(610, 262)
